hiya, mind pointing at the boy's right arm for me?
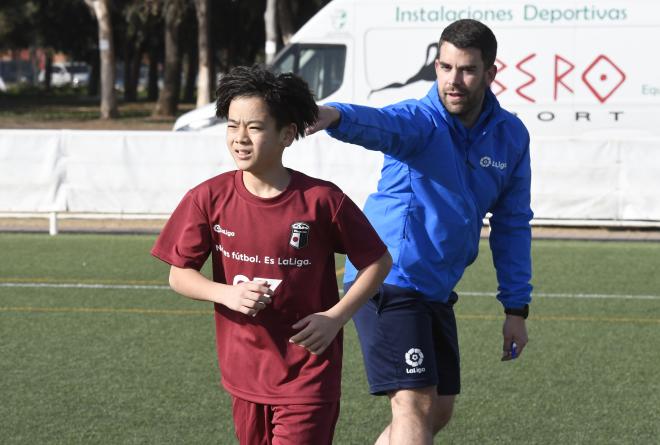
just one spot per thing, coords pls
(248, 297)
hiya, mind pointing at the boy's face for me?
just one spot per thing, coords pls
(253, 139)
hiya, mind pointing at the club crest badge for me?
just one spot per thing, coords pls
(299, 235)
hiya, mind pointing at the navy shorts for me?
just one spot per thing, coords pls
(408, 342)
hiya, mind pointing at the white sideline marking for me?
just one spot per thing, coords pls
(87, 286)
(161, 287)
(551, 295)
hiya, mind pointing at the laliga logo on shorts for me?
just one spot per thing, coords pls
(299, 235)
(486, 162)
(414, 357)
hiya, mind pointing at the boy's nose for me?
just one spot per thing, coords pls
(241, 136)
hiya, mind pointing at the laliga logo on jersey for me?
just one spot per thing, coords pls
(299, 235)
(226, 232)
(486, 162)
(414, 358)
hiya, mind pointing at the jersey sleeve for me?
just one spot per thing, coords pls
(185, 241)
(355, 236)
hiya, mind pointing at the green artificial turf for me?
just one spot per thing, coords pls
(81, 365)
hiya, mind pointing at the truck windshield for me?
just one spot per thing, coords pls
(322, 66)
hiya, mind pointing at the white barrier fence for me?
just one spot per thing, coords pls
(588, 181)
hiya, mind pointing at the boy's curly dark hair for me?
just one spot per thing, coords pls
(287, 96)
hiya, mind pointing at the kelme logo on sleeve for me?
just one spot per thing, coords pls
(299, 235)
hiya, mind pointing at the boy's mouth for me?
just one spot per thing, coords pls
(243, 154)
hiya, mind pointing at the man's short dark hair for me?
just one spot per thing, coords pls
(287, 96)
(468, 33)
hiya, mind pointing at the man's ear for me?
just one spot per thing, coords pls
(490, 74)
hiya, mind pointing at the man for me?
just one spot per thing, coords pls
(450, 158)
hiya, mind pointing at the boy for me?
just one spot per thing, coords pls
(272, 233)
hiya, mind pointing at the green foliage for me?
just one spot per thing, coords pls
(237, 28)
(136, 366)
(16, 20)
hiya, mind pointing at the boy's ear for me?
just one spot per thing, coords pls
(288, 134)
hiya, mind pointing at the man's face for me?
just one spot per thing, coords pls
(253, 139)
(462, 81)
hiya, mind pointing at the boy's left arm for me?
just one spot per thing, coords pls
(319, 329)
(350, 233)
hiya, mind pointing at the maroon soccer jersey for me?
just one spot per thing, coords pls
(289, 241)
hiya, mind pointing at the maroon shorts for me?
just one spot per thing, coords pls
(259, 424)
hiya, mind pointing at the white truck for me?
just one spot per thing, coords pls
(581, 75)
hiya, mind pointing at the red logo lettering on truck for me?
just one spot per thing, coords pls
(602, 77)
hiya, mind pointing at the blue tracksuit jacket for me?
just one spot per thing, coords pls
(438, 181)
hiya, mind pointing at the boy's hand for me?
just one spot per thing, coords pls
(318, 331)
(248, 297)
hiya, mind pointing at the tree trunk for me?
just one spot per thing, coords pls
(270, 20)
(191, 73)
(169, 94)
(285, 20)
(132, 61)
(152, 87)
(136, 64)
(107, 52)
(205, 84)
(94, 75)
(34, 64)
(128, 56)
(48, 69)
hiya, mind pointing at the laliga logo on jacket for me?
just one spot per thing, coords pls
(299, 235)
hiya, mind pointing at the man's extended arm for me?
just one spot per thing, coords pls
(328, 118)
(397, 130)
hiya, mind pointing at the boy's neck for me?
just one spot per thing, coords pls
(267, 185)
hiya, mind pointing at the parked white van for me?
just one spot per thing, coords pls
(74, 74)
(579, 74)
